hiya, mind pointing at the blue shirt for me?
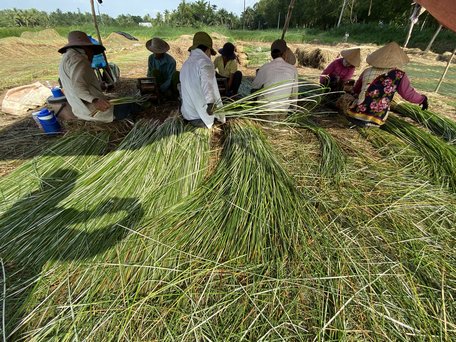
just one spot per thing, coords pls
(166, 66)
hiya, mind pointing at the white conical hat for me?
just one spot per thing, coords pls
(353, 56)
(389, 56)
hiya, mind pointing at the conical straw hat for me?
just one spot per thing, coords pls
(353, 56)
(389, 56)
(157, 45)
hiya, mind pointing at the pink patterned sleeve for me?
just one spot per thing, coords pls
(406, 90)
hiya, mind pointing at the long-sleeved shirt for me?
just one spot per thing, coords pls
(81, 86)
(277, 72)
(337, 68)
(225, 70)
(166, 65)
(405, 89)
(199, 87)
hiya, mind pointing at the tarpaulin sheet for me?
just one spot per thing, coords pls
(442, 10)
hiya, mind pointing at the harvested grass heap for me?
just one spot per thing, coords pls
(249, 207)
(440, 126)
(440, 156)
(152, 169)
(315, 58)
(74, 152)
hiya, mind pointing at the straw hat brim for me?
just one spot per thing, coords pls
(97, 49)
(157, 46)
(289, 57)
(388, 56)
(193, 47)
(353, 56)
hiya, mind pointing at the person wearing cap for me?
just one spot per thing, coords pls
(162, 66)
(277, 72)
(375, 88)
(226, 66)
(198, 85)
(81, 85)
(340, 71)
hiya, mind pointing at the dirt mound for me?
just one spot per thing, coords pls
(179, 49)
(44, 35)
(12, 47)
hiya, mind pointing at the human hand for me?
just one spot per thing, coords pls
(101, 104)
(424, 105)
(210, 108)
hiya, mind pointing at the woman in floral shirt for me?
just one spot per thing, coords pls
(377, 85)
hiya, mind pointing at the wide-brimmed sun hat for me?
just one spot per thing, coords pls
(388, 56)
(280, 45)
(289, 57)
(228, 51)
(352, 56)
(157, 45)
(202, 38)
(80, 39)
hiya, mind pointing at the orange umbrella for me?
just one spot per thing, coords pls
(442, 10)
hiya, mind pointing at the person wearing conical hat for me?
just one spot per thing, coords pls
(227, 67)
(198, 85)
(81, 86)
(341, 70)
(162, 66)
(375, 88)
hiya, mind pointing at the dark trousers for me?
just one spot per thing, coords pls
(237, 79)
(196, 123)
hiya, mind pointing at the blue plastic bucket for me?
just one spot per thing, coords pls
(57, 92)
(49, 122)
(35, 118)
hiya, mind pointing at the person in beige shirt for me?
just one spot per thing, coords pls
(227, 67)
(81, 86)
(279, 75)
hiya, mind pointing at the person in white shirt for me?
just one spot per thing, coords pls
(81, 86)
(277, 73)
(199, 90)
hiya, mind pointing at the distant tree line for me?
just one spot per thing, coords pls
(320, 14)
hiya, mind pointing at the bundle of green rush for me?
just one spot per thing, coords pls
(74, 152)
(333, 159)
(249, 207)
(125, 100)
(440, 156)
(437, 124)
(282, 98)
(153, 169)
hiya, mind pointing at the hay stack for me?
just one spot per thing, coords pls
(315, 58)
(445, 57)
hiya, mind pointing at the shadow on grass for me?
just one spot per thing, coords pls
(29, 241)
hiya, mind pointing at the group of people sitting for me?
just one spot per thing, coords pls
(365, 104)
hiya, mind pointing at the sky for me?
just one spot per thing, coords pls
(116, 7)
